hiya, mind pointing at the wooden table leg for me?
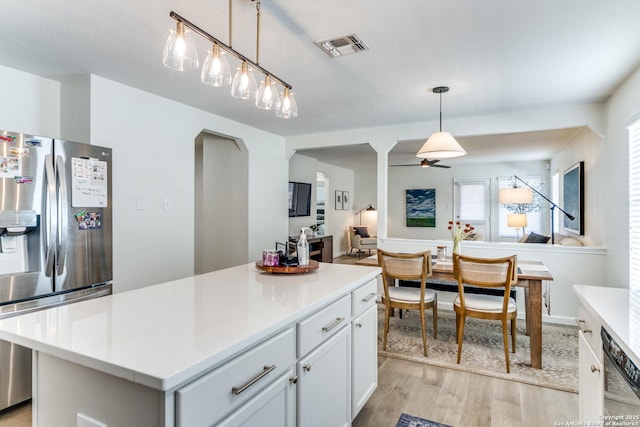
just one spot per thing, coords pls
(534, 318)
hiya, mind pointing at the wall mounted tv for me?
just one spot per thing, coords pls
(299, 199)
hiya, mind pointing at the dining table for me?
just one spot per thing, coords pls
(530, 277)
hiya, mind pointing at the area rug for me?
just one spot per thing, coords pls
(482, 348)
(411, 421)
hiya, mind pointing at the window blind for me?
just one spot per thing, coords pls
(634, 205)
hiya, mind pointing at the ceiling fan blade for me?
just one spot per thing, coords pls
(440, 166)
(393, 166)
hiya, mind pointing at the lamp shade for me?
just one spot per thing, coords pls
(515, 195)
(517, 220)
(441, 145)
(179, 50)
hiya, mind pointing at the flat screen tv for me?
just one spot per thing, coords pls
(299, 199)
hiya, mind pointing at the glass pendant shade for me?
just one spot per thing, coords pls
(179, 51)
(215, 70)
(244, 85)
(441, 145)
(267, 95)
(287, 107)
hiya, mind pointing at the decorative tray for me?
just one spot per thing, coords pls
(297, 269)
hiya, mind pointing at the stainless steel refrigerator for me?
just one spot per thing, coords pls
(55, 236)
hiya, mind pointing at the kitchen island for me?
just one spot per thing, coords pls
(615, 311)
(230, 347)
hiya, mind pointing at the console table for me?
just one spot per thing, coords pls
(320, 248)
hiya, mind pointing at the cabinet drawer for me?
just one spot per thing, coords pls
(363, 297)
(323, 324)
(209, 398)
(588, 322)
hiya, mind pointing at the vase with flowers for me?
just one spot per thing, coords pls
(459, 233)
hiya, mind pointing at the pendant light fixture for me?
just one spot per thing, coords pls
(441, 145)
(215, 70)
(179, 50)
(287, 107)
(180, 54)
(244, 85)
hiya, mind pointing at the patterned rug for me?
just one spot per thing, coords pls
(411, 421)
(482, 348)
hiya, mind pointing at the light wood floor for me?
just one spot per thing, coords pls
(447, 396)
(461, 399)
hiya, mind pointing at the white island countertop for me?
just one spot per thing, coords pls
(163, 335)
(619, 312)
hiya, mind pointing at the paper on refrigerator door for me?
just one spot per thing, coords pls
(88, 182)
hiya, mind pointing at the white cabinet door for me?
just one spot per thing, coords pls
(591, 381)
(274, 406)
(324, 383)
(364, 356)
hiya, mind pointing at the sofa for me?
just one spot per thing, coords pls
(358, 238)
(559, 239)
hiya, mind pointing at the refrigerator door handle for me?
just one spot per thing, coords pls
(50, 224)
(63, 205)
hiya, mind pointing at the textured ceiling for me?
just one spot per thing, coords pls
(496, 55)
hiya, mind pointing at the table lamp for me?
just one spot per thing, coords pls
(518, 220)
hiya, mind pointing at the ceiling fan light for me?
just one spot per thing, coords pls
(179, 51)
(267, 95)
(215, 70)
(244, 85)
(287, 107)
(441, 145)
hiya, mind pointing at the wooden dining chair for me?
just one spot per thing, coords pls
(486, 273)
(411, 267)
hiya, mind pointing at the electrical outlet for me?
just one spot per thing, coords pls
(83, 420)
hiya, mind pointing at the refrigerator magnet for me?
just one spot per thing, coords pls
(7, 138)
(19, 151)
(80, 215)
(24, 179)
(34, 142)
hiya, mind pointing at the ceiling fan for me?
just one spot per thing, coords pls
(426, 163)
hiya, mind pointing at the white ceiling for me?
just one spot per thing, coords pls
(496, 55)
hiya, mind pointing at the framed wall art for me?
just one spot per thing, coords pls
(345, 201)
(573, 198)
(421, 208)
(338, 200)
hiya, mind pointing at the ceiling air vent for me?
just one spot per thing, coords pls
(342, 45)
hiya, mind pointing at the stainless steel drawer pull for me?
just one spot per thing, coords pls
(595, 369)
(359, 325)
(237, 390)
(306, 368)
(368, 297)
(333, 324)
(582, 324)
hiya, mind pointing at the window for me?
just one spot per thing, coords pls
(634, 204)
(534, 218)
(471, 204)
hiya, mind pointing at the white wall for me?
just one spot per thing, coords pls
(591, 148)
(622, 110)
(401, 179)
(30, 104)
(153, 143)
(304, 169)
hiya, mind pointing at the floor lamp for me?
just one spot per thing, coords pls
(368, 208)
(553, 206)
